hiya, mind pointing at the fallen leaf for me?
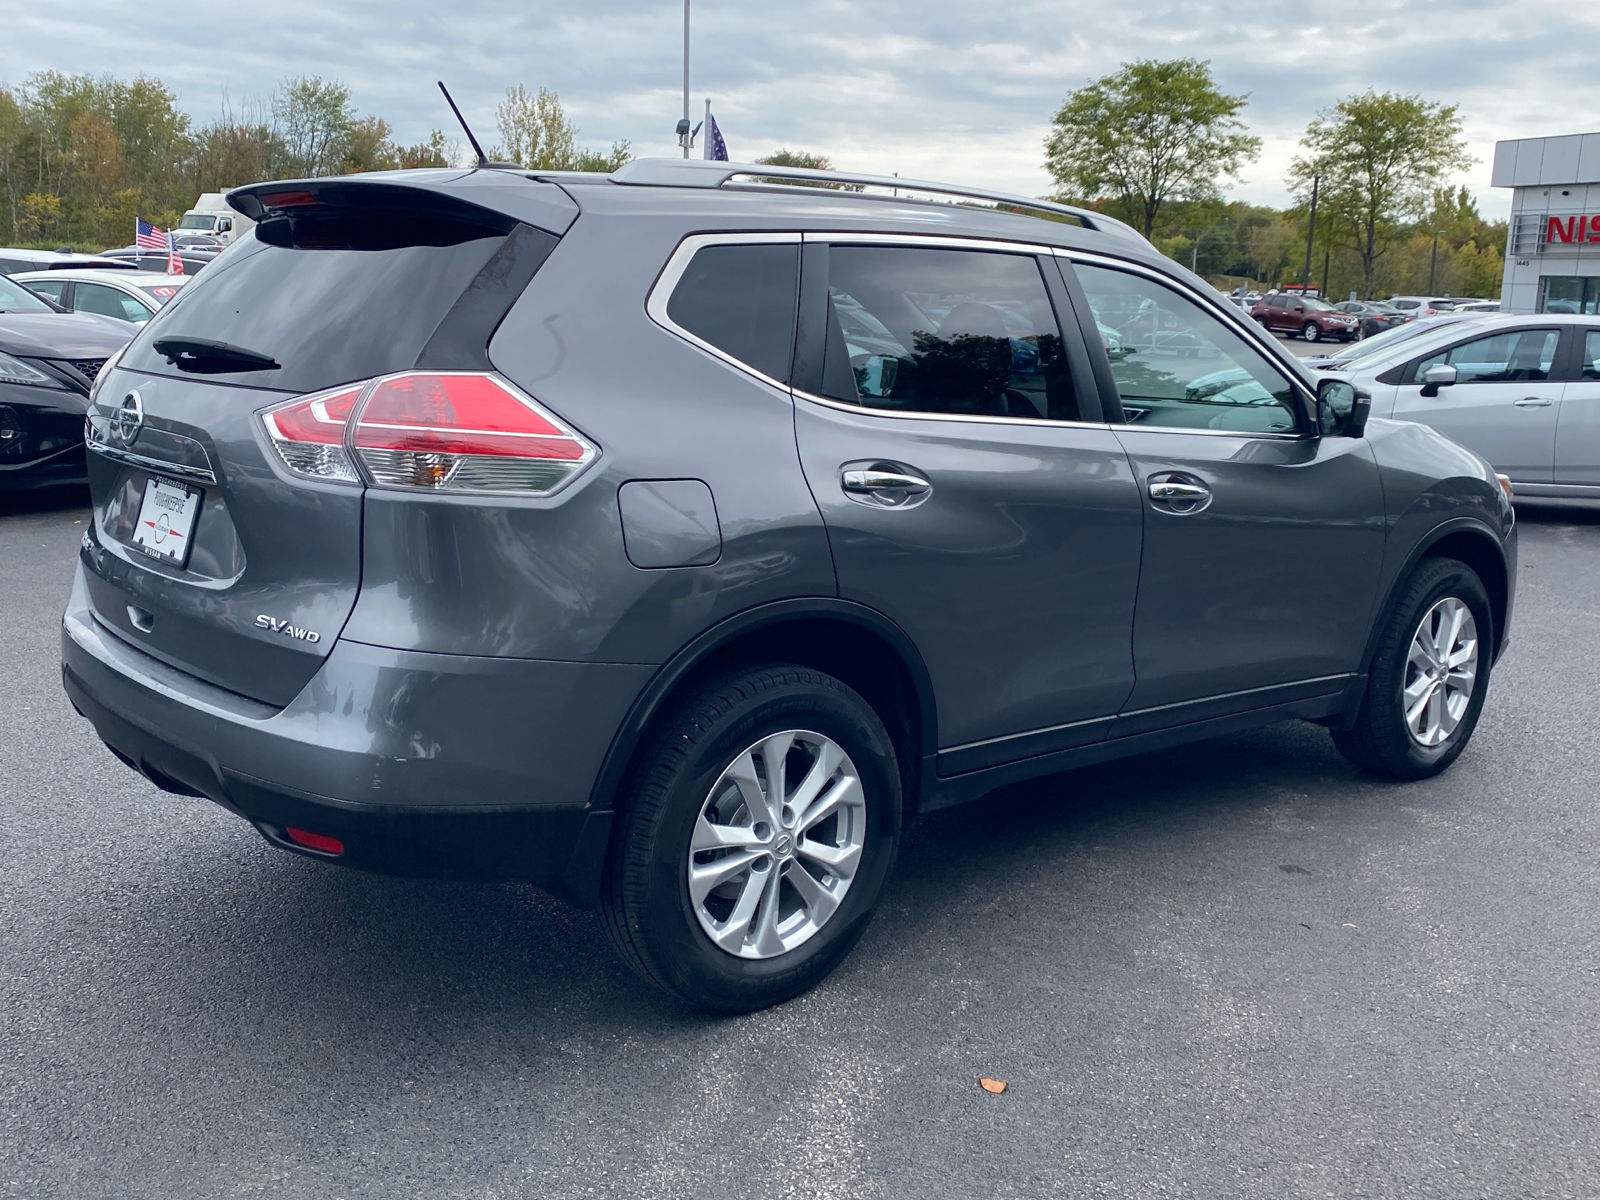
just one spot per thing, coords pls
(992, 1085)
(1303, 925)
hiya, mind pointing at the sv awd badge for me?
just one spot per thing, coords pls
(288, 630)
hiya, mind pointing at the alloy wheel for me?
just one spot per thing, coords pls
(776, 844)
(1441, 670)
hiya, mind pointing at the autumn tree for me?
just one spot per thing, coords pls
(312, 119)
(536, 132)
(1378, 158)
(1152, 133)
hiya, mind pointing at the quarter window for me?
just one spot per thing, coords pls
(1513, 356)
(741, 299)
(1177, 366)
(963, 332)
(1591, 354)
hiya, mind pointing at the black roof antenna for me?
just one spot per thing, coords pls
(483, 159)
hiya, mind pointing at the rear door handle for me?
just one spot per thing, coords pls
(1535, 402)
(882, 481)
(1178, 493)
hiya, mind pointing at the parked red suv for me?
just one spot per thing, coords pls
(1307, 316)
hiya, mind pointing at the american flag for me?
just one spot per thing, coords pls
(147, 237)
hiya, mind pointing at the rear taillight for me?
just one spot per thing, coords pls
(435, 431)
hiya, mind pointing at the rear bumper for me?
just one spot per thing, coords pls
(422, 764)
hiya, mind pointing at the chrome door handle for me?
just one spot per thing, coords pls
(882, 481)
(1535, 402)
(1166, 489)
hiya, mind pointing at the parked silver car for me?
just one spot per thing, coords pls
(132, 296)
(1523, 391)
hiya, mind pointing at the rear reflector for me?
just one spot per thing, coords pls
(313, 841)
(431, 430)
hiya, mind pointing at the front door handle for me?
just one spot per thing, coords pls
(1167, 489)
(1535, 402)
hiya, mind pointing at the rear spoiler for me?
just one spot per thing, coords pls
(491, 198)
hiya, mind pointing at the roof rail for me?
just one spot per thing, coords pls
(699, 173)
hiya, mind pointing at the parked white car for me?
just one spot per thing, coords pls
(1523, 391)
(126, 295)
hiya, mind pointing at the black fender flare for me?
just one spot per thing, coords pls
(1471, 525)
(648, 703)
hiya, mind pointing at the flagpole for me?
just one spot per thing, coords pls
(686, 75)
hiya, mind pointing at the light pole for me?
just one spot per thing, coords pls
(1311, 232)
(683, 125)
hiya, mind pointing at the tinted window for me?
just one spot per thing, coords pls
(49, 287)
(1516, 355)
(108, 302)
(322, 305)
(945, 331)
(1177, 365)
(1591, 354)
(741, 299)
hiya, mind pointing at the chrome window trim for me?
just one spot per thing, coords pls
(161, 466)
(1111, 262)
(964, 418)
(932, 241)
(655, 305)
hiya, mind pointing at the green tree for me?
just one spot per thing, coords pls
(312, 120)
(369, 147)
(797, 158)
(536, 132)
(1379, 157)
(1152, 133)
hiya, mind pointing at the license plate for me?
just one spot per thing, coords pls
(166, 520)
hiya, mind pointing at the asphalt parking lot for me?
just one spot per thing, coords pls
(1237, 969)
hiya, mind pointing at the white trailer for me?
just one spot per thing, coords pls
(212, 216)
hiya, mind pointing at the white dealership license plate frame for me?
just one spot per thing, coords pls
(166, 519)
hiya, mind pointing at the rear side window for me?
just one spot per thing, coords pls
(742, 300)
(1591, 354)
(330, 299)
(944, 331)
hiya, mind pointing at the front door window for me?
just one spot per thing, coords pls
(1178, 366)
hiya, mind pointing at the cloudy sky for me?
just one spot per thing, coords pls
(959, 90)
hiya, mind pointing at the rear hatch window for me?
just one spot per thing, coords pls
(331, 292)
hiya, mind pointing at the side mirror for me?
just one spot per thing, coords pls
(1437, 376)
(1342, 408)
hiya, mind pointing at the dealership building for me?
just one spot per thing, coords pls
(1553, 244)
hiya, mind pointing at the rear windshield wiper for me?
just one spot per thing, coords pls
(206, 357)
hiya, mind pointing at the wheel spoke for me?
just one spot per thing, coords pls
(766, 940)
(743, 774)
(1435, 715)
(775, 756)
(1422, 655)
(1419, 689)
(828, 759)
(1467, 653)
(1414, 711)
(820, 902)
(710, 836)
(845, 791)
(705, 876)
(731, 934)
(838, 860)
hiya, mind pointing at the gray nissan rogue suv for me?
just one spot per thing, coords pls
(672, 538)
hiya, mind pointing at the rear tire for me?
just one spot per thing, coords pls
(699, 802)
(1419, 711)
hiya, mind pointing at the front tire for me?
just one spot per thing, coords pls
(1429, 676)
(1311, 331)
(755, 841)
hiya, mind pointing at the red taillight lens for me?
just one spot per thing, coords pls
(463, 432)
(308, 434)
(443, 431)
